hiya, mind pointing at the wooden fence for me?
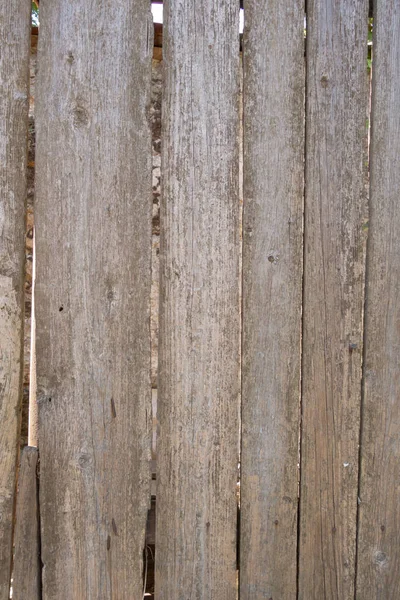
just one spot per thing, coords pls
(279, 330)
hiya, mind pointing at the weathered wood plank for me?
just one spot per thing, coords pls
(26, 574)
(272, 295)
(199, 309)
(378, 566)
(93, 248)
(335, 212)
(14, 82)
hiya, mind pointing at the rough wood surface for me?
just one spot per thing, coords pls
(272, 290)
(199, 308)
(14, 82)
(378, 566)
(26, 573)
(93, 245)
(335, 215)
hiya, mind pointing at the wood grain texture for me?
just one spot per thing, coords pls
(272, 294)
(335, 214)
(378, 566)
(26, 573)
(14, 83)
(199, 307)
(93, 249)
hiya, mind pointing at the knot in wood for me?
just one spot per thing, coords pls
(80, 116)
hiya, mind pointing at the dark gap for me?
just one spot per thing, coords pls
(302, 315)
(41, 564)
(238, 544)
(155, 125)
(241, 199)
(360, 435)
(149, 552)
(29, 243)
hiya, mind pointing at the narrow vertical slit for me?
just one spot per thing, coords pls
(241, 199)
(41, 565)
(155, 124)
(33, 416)
(364, 316)
(33, 438)
(149, 553)
(302, 317)
(29, 413)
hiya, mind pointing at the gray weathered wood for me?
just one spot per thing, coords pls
(335, 214)
(14, 82)
(199, 308)
(93, 245)
(26, 573)
(378, 566)
(272, 291)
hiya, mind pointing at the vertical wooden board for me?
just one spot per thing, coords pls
(199, 308)
(272, 293)
(93, 245)
(378, 566)
(26, 574)
(14, 82)
(335, 214)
